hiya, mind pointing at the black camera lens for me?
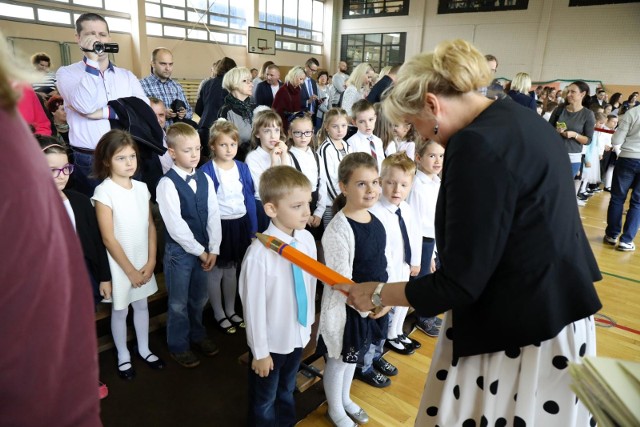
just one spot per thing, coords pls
(98, 47)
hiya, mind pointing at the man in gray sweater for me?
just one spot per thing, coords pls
(626, 176)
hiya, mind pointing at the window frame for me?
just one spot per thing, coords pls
(344, 48)
(444, 7)
(294, 43)
(347, 8)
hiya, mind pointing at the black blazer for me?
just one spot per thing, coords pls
(88, 233)
(378, 89)
(516, 266)
(264, 95)
(305, 95)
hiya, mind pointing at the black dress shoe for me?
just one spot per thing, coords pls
(415, 344)
(127, 374)
(157, 364)
(399, 347)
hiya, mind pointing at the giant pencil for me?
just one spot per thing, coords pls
(305, 262)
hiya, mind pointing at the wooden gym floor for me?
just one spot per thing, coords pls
(618, 334)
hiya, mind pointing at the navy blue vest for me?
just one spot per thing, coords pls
(193, 206)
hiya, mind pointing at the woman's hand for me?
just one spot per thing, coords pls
(359, 294)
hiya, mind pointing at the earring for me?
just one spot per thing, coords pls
(435, 129)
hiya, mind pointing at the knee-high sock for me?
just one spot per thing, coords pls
(229, 289)
(333, 381)
(577, 183)
(399, 316)
(214, 279)
(347, 403)
(119, 332)
(141, 324)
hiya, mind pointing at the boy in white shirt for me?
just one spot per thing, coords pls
(278, 300)
(189, 208)
(364, 117)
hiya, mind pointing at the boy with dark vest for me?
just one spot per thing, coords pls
(189, 208)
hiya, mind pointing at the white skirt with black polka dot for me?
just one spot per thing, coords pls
(526, 386)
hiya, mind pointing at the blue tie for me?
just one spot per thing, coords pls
(191, 177)
(301, 292)
(405, 238)
(310, 90)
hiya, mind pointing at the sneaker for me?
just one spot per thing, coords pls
(385, 367)
(398, 346)
(607, 189)
(208, 347)
(373, 378)
(626, 247)
(597, 190)
(438, 321)
(584, 196)
(610, 240)
(428, 326)
(187, 359)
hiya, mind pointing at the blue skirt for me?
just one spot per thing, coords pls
(263, 219)
(235, 241)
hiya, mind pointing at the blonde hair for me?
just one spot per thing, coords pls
(234, 77)
(262, 119)
(294, 73)
(328, 118)
(180, 131)
(358, 77)
(521, 83)
(222, 127)
(398, 160)
(279, 181)
(12, 70)
(453, 69)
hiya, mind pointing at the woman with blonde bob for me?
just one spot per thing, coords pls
(358, 86)
(516, 271)
(519, 91)
(238, 106)
(287, 99)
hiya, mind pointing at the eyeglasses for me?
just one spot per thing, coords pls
(312, 71)
(299, 133)
(66, 169)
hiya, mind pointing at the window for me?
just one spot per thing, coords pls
(206, 20)
(598, 2)
(371, 8)
(461, 6)
(298, 23)
(58, 12)
(378, 49)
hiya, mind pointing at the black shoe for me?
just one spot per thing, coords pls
(399, 347)
(373, 378)
(157, 365)
(127, 374)
(584, 196)
(607, 189)
(229, 329)
(415, 344)
(385, 367)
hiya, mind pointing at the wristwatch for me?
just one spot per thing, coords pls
(376, 297)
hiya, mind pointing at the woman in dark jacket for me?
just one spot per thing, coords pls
(287, 99)
(520, 86)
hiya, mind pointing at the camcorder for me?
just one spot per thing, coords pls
(99, 47)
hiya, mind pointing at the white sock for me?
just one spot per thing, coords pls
(141, 324)
(214, 289)
(119, 332)
(333, 381)
(391, 329)
(347, 403)
(583, 186)
(229, 289)
(576, 184)
(399, 316)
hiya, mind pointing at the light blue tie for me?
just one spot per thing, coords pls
(310, 90)
(301, 292)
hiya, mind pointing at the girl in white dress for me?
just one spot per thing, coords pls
(129, 234)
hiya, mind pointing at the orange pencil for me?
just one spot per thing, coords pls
(305, 262)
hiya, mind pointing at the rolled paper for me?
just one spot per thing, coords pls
(604, 130)
(305, 262)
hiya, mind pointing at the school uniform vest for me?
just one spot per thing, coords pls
(193, 206)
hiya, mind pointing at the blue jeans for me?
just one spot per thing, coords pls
(83, 169)
(626, 176)
(271, 401)
(374, 353)
(187, 291)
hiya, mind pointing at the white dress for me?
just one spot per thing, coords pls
(526, 386)
(130, 209)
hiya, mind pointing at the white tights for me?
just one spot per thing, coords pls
(222, 282)
(141, 325)
(397, 321)
(337, 380)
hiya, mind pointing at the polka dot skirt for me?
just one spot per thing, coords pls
(520, 387)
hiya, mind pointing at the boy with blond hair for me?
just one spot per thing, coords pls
(278, 299)
(189, 207)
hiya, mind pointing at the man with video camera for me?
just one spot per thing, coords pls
(86, 87)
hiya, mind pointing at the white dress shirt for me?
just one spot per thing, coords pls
(267, 291)
(86, 89)
(230, 196)
(397, 269)
(310, 168)
(169, 204)
(258, 161)
(360, 143)
(423, 198)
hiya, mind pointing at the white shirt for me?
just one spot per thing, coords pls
(423, 198)
(258, 161)
(266, 288)
(360, 143)
(86, 89)
(310, 167)
(169, 204)
(165, 160)
(408, 147)
(330, 158)
(230, 196)
(385, 211)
